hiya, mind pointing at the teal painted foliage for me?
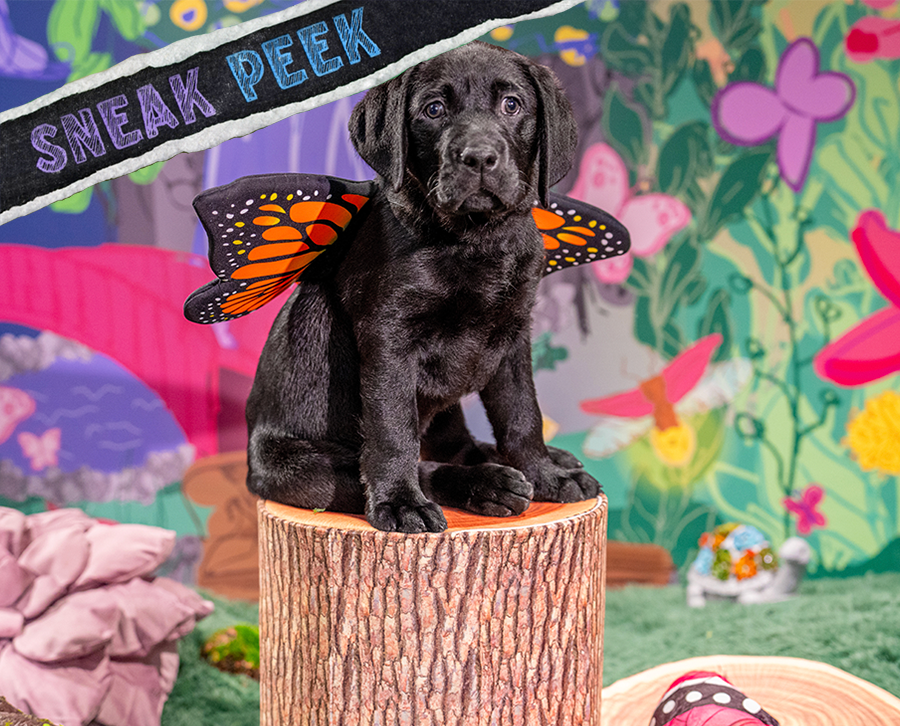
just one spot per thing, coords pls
(766, 262)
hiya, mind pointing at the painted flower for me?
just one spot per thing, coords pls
(874, 434)
(704, 561)
(748, 113)
(768, 560)
(721, 566)
(871, 349)
(745, 567)
(873, 37)
(805, 509)
(747, 537)
(651, 219)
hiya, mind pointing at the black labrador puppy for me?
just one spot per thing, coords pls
(355, 406)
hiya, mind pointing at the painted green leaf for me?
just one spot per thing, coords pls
(623, 53)
(694, 290)
(682, 269)
(751, 66)
(876, 111)
(70, 31)
(685, 156)
(672, 338)
(126, 16)
(147, 174)
(544, 355)
(717, 320)
(848, 178)
(640, 276)
(632, 17)
(738, 186)
(75, 204)
(677, 47)
(644, 330)
(623, 125)
(703, 81)
(735, 23)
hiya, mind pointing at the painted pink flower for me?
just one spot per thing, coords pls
(15, 406)
(871, 349)
(651, 219)
(748, 114)
(873, 37)
(805, 509)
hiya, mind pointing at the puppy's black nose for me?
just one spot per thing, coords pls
(480, 158)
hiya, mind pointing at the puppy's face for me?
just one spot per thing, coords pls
(480, 130)
(472, 120)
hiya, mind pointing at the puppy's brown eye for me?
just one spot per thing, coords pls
(511, 106)
(435, 109)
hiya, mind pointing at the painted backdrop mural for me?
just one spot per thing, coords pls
(740, 364)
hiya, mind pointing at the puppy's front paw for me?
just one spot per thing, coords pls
(563, 458)
(498, 491)
(554, 483)
(409, 517)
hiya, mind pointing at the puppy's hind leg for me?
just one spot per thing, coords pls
(307, 474)
(448, 440)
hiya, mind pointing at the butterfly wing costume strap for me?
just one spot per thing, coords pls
(264, 231)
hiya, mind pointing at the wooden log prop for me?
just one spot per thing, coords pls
(495, 621)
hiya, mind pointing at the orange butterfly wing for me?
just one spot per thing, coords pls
(576, 233)
(264, 232)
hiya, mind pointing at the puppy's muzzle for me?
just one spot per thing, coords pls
(476, 173)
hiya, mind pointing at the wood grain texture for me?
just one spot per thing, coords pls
(796, 692)
(498, 625)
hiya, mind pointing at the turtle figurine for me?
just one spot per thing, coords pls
(737, 563)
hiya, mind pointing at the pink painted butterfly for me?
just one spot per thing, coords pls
(805, 508)
(687, 385)
(41, 450)
(265, 232)
(651, 219)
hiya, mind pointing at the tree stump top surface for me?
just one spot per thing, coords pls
(538, 513)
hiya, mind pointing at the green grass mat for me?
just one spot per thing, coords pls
(853, 624)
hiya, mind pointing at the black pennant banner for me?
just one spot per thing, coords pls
(199, 92)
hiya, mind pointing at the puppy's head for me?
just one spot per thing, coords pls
(481, 130)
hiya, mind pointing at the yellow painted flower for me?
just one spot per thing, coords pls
(504, 32)
(674, 445)
(571, 52)
(874, 435)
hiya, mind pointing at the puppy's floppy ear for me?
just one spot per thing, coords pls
(378, 129)
(557, 133)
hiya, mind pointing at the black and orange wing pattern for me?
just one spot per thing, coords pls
(577, 233)
(264, 231)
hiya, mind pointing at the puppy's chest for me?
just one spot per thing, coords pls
(462, 329)
(467, 304)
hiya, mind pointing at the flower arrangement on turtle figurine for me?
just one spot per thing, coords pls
(736, 562)
(734, 550)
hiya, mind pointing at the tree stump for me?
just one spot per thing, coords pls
(496, 621)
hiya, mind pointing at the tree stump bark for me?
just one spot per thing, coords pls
(496, 621)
